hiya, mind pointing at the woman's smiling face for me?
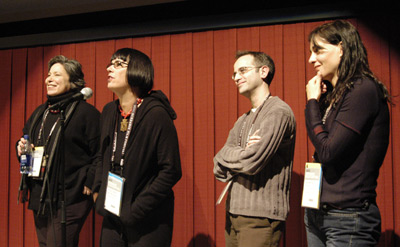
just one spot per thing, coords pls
(326, 59)
(57, 80)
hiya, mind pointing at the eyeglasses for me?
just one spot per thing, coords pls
(243, 70)
(118, 64)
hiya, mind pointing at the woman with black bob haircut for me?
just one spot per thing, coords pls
(140, 73)
(77, 146)
(347, 120)
(139, 152)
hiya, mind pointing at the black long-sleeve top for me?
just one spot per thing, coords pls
(351, 145)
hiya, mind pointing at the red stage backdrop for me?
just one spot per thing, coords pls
(194, 70)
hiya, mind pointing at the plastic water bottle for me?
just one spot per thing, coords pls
(26, 157)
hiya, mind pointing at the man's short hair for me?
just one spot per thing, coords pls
(260, 59)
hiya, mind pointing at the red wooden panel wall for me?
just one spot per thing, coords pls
(194, 71)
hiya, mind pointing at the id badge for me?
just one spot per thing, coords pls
(312, 185)
(114, 191)
(37, 162)
(223, 193)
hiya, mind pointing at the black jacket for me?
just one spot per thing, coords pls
(152, 163)
(81, 143)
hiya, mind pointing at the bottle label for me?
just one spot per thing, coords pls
(26, 164)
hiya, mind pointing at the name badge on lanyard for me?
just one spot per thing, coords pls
(115, 183)
(37, 162)
(312, 185)
(114, 191)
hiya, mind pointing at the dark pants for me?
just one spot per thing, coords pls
(243, 231)
(349, 227)
(48, 229)
(155, 230)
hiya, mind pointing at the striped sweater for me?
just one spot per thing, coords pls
(261, 173)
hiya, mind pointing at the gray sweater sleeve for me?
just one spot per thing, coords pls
(221, 172)
(272, 122)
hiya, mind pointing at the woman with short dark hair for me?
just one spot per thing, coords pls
(139, 162)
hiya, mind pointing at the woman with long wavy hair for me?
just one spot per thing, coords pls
(347, 120)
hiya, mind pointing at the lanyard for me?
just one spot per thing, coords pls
(41, 130)
(326, 114)
(134, 108)
(252, 123)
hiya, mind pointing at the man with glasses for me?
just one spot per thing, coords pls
(256, 160)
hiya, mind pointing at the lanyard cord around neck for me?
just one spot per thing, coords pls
(41, 130)
(134, 108)
(252, 123)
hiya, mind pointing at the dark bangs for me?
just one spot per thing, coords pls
(140, 71)
(122, 54)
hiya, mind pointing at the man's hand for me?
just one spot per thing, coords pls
(254, 138)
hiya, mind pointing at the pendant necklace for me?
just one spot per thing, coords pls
(124, 122)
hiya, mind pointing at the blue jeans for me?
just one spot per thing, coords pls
(339, 228)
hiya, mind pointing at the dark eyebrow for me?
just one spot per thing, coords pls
(316, 47)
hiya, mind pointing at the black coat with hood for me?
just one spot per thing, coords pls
(152, 161)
